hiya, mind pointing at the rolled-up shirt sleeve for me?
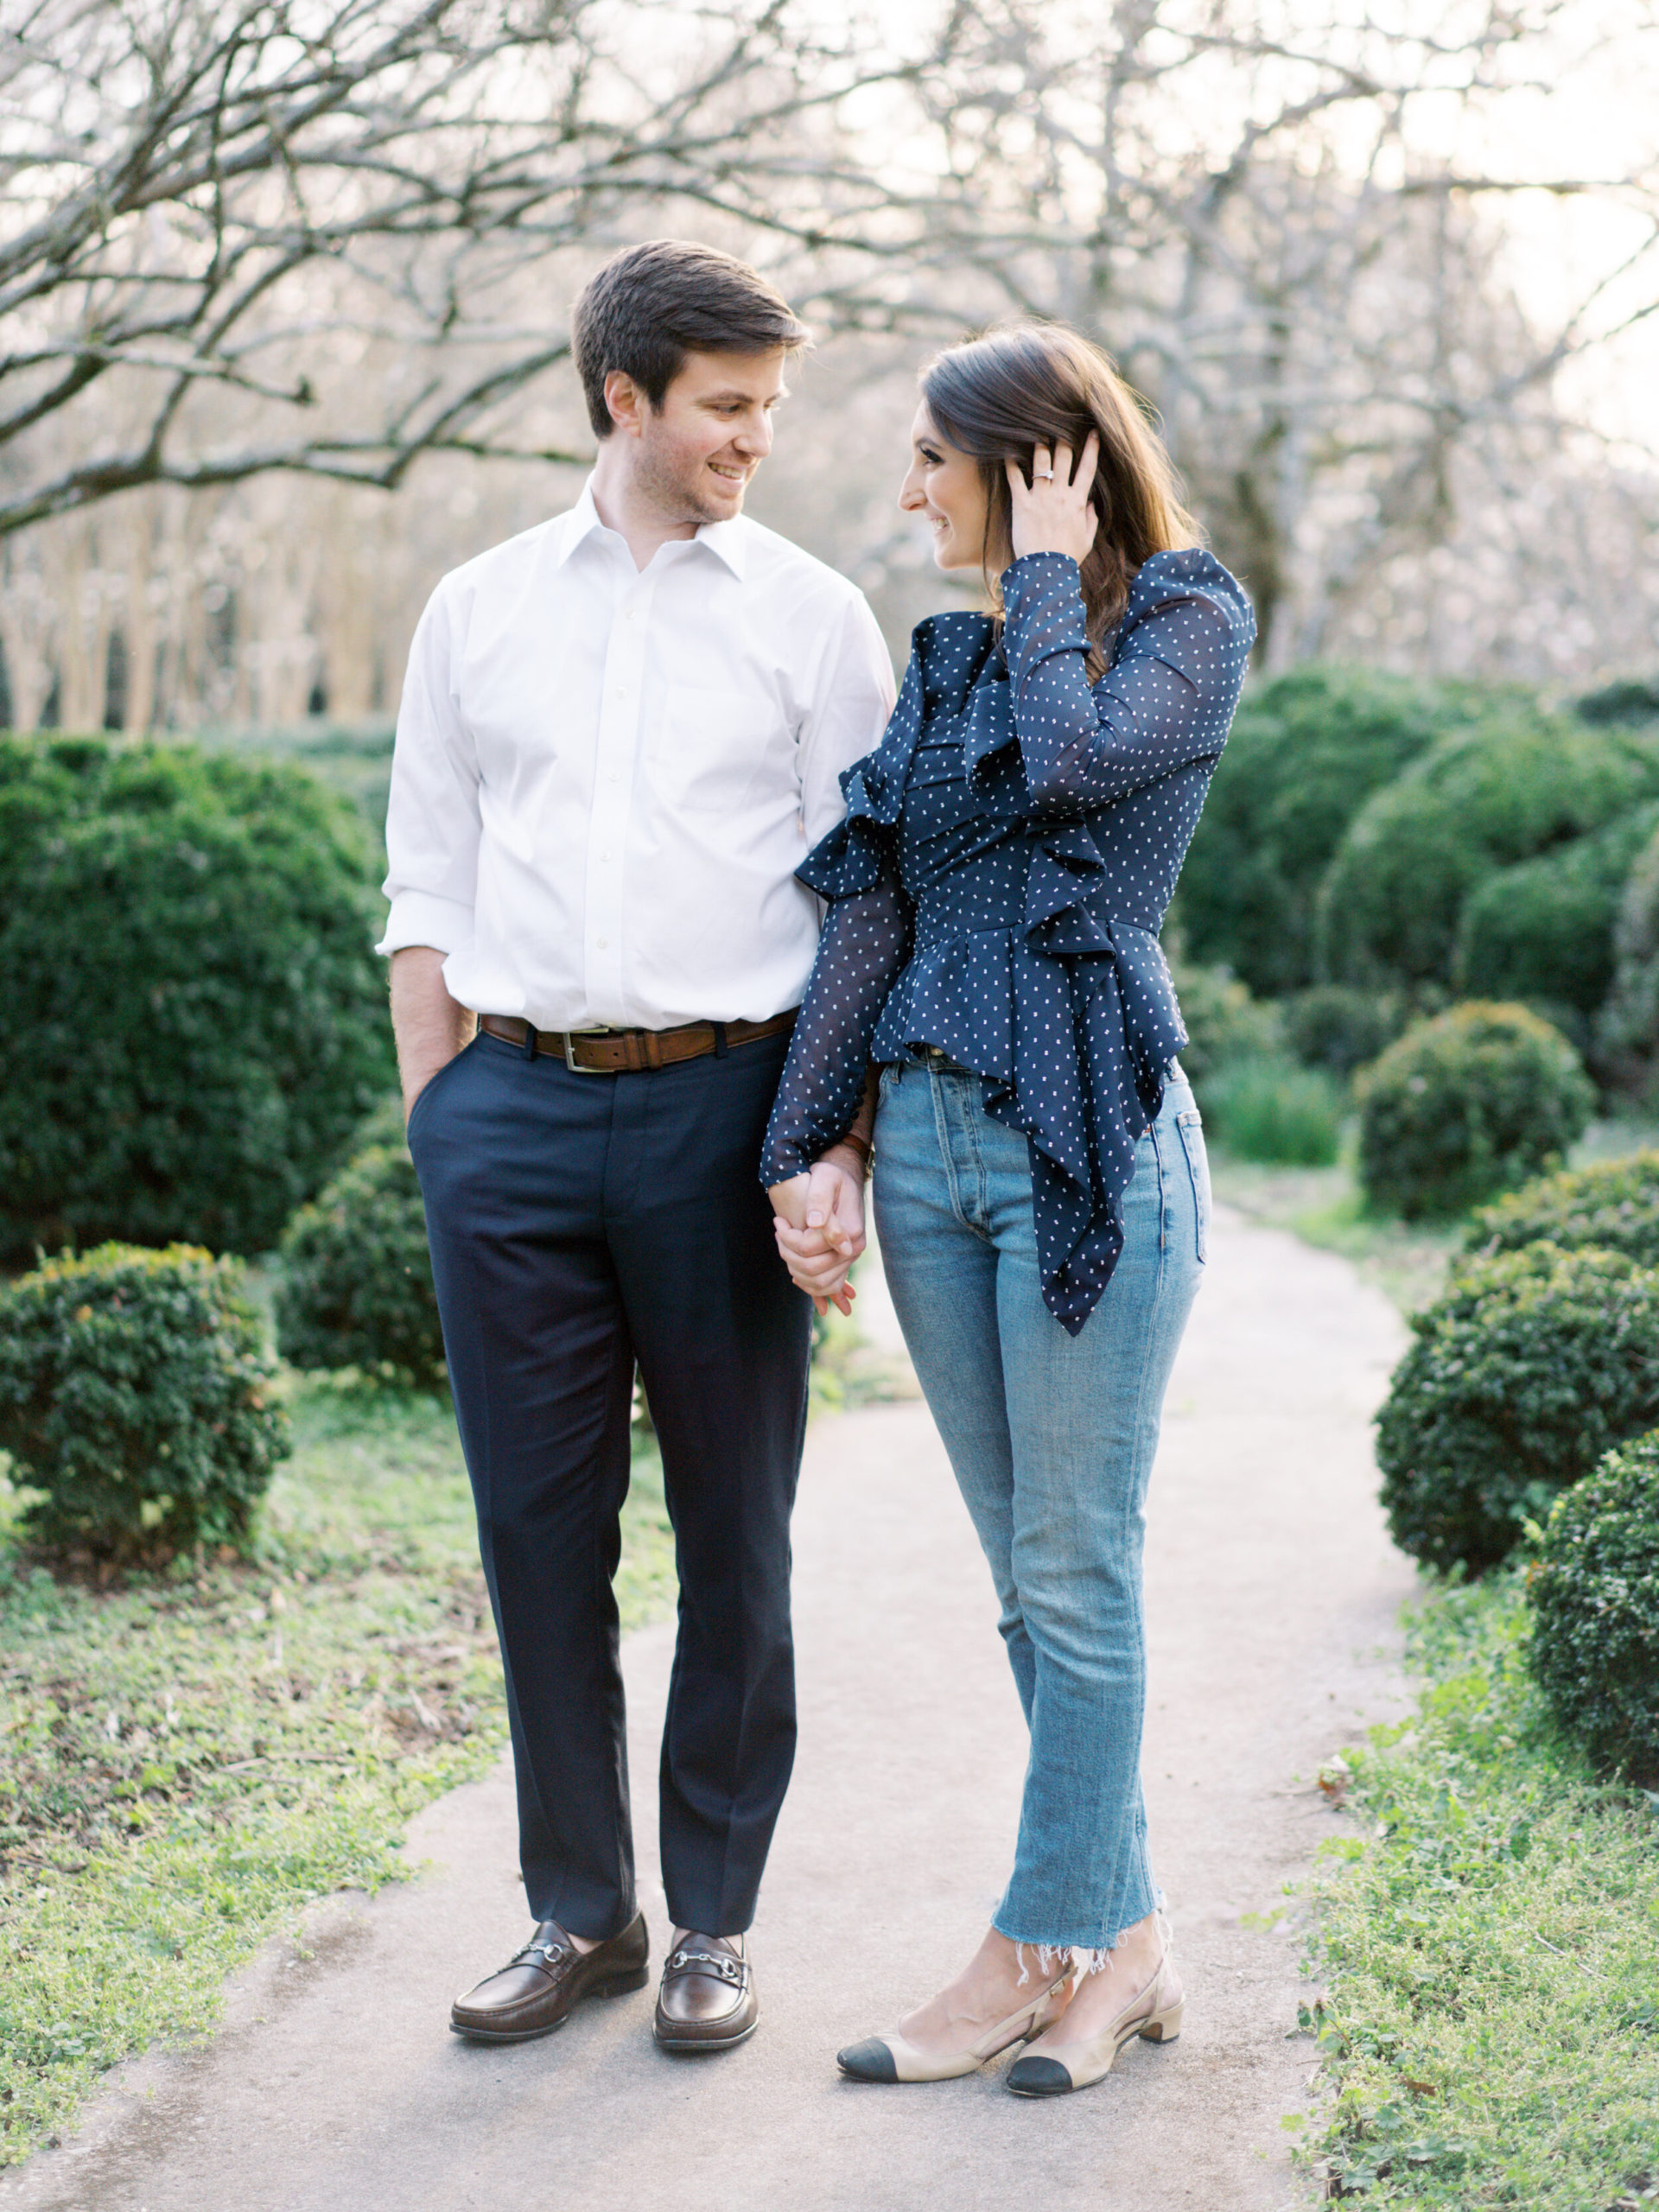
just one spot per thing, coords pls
(432, 824)
(852, 695)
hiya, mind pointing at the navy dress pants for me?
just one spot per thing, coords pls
(578, 1224)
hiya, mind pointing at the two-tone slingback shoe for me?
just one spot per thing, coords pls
(890, 2058)
(1155, 2015)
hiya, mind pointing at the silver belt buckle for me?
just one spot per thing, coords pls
(570, 1037)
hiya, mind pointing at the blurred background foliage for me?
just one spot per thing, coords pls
(1375, 851)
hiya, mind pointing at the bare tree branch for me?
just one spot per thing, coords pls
(189, 180)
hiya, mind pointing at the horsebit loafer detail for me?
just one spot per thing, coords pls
(707, 2001)
(534, 1992)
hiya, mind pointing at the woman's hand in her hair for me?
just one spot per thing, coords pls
(818, 1220)
(1054, 513)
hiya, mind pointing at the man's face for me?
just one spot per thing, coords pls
(694, 459)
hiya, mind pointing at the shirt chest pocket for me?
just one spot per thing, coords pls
(715, 749)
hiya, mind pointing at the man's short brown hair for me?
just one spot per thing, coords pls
(651, 305)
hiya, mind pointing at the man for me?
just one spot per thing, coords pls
(618, 734)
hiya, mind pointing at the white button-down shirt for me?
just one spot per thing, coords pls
(605, 777)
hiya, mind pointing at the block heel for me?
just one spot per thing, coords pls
(1165, 2026)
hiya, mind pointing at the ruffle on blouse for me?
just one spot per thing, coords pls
(1077, 1020)
(862, 851)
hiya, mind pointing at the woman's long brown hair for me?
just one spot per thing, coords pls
(1027, 384)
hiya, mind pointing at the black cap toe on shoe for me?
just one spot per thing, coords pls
(1039, 2077)
(867, 2062)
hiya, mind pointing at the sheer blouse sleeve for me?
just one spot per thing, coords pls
(861, 953)
(1166, 703)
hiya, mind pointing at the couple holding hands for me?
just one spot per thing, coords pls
(733, 923)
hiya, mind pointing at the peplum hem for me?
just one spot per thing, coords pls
(1073, 1044)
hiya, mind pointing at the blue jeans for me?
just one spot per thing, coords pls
(1052, 1438)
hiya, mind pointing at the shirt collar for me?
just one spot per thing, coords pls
(729, 541)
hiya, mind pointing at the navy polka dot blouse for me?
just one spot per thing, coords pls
(998, 884)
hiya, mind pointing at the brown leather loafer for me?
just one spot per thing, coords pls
(535, 1991)
(707, 2001)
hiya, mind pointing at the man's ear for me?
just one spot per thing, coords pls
(626, 401)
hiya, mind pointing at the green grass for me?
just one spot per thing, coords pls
(1270, 1108)
(1491, 1944)
(187, 1759)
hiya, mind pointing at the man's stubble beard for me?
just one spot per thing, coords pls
(676, 496)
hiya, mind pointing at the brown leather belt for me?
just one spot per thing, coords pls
(629, 1051)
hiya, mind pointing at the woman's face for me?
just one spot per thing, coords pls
(946, 488)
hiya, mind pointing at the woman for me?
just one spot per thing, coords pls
(991, 943)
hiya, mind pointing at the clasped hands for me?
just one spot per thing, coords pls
(818, 1218)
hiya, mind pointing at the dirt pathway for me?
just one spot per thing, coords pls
(334, 2088)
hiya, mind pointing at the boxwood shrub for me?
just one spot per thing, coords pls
(357, 1277)
(193, 1022)
(1594, 1593)
(1630, 699)
(1615, 1204)
(1307, 751)
(1530, 1366)
(134, 1395)
(1337, 1028)
(1515, 785)
(1543, 929)
(1465, 1105)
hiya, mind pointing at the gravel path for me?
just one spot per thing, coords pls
(334, 2087)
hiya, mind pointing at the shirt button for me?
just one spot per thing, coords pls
(606, 854)
(603, 942)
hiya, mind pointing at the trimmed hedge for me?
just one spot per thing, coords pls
(1465, 1105)
(1530, 1366)
(1543, 929)
(1522, 782)
(1594, 1593)
(133, 1392)
(1307, 751)
(1614, 1203)
(357, 1280)
(194, 1022)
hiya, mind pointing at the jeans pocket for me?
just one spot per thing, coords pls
(1190, 1125)
(885, 1081)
